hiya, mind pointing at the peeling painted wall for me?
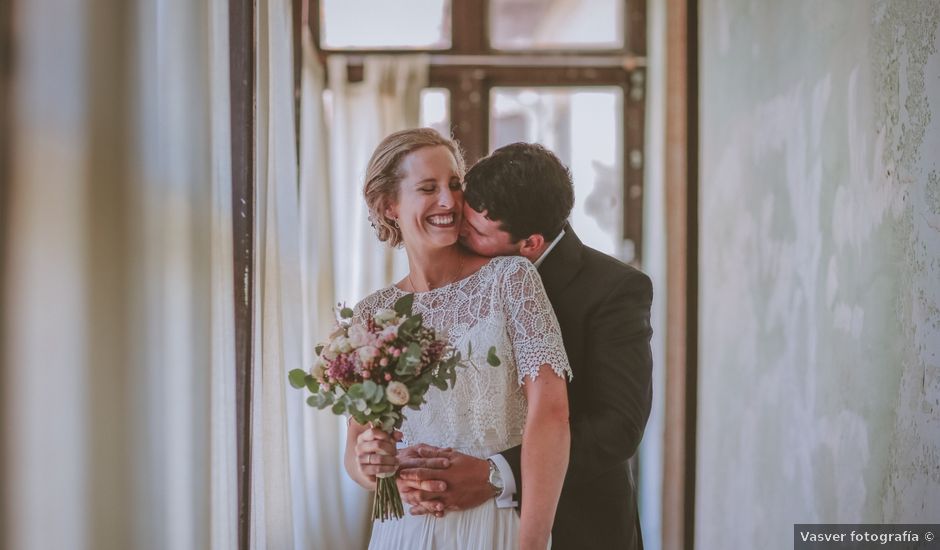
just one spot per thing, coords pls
(819, 384)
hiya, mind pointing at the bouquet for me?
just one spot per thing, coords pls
(373, 369)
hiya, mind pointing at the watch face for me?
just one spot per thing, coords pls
(496, 480)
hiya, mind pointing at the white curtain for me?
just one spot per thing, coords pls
(333, 509)
(387, 100)
(118, 279)
(276, 522)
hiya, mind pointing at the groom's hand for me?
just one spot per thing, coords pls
(427, 457)
(435, 488)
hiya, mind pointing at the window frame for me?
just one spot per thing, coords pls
(471, 68)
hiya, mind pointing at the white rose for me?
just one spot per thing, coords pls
(366, 353)
(389, 333)
(340, 345)
(397, 393)
(359, 336)
(384, 316)
(319, 370)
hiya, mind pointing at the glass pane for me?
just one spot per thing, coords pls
(583, 126)
(556, 24)
(382, 24)
(435, 109)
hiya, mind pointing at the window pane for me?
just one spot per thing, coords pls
(382, 24)
(583, 126)
(542, 24)
(435, 109)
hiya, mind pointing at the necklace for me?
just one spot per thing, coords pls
(452, 279)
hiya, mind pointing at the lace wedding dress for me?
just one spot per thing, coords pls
(504, 305)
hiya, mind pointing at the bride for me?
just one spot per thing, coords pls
(415, 197)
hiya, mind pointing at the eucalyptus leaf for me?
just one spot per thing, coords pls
(346, 313)
(312, 384)
(297, 378)
(378, 394)
(339, 407)
(409, 325)
(403, 305)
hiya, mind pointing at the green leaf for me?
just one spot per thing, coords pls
(314, 402)
(346, 313)
(319, 349)
(410, 324)
(378, 394)
(403, 305)
(312, 384)
(440, 383)
(368, 389)
(297, 378)
(339, 407)
(355, 391)
(491, 358)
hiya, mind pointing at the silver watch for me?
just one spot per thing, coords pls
(495, 479)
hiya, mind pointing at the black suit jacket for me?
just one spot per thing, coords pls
(603, 308)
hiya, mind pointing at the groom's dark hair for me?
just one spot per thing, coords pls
(525, 187)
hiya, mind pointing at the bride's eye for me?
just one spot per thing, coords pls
(455, 185)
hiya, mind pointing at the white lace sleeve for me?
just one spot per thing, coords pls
(533, 327)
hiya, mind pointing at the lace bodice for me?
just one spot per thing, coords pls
(502, 305)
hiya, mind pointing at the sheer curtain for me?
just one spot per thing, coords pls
(276, 515)
(118, 370)
(387, 100)
(334, 509)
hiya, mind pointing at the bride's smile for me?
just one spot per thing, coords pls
(429, 205)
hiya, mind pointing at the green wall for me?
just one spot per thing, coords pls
(819, 384)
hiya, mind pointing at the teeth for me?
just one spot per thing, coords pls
(442, 220)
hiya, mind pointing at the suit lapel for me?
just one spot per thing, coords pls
(562, 263)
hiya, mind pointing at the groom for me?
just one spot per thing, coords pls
(517, 202)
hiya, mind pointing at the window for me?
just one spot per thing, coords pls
(570, 75)
(405, 24)
(538, 24)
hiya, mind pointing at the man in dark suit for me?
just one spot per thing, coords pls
(517, 202)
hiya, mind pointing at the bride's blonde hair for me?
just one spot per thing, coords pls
(384, 174)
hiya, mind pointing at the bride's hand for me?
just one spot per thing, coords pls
(376, 453)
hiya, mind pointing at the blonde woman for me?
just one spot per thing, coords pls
(414, 193)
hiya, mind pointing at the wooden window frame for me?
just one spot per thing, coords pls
(242, 89)
(470, 69)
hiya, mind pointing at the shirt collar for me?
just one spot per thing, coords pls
(539, 261)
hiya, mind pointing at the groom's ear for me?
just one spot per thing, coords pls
(532, 246)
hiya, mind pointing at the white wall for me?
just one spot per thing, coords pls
(819, 386)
